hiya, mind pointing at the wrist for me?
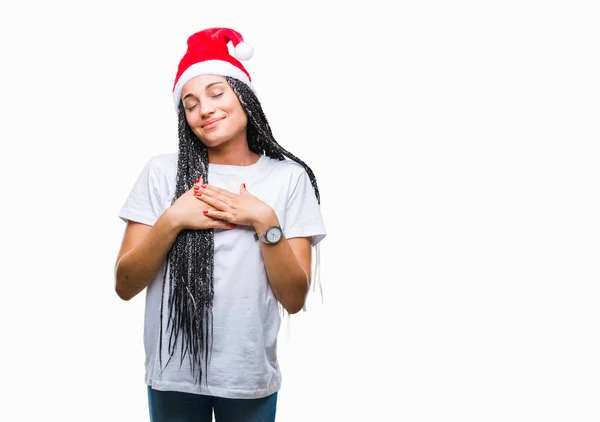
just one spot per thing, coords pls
(264, 221)
(172, 220)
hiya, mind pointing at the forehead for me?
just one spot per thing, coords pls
(201, 82)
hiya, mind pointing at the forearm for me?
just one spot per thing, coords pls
(289, 280)
(138, 266)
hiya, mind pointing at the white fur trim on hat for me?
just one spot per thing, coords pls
(208, 67)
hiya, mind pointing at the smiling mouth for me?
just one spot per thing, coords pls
(211, 123)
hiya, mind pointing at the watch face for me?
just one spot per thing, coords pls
(273, 235)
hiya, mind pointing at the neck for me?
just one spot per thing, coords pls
(233, 153)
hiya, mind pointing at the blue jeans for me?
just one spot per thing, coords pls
(173, 406)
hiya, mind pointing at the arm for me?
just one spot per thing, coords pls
(288, 266)
(287, 263)
(145, 248)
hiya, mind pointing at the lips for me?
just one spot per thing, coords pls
(211, 123)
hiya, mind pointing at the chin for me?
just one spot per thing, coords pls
(214, 142)
(217, 139)
(212, 138)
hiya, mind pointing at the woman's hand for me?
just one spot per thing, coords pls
(243, 208)
(189, 213)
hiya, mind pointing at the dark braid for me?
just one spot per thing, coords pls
(191, 258)
(190, 263)
(259, 135)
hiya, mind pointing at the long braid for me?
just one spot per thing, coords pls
(191, 258)
(259, 135)
(261, 141)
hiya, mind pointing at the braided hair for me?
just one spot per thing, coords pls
(191, 258)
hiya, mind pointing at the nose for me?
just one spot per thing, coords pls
(206, 109)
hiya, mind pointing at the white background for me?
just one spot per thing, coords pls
(456, 149)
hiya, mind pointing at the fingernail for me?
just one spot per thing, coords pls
(205, 211)
(198, 193)
(196, 188)
(198, 180)
(203, 186)
(233, 226)
(243, 184)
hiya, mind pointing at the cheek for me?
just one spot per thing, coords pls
(194, 123)
(192, 120)
(241, 123)
(241, 118)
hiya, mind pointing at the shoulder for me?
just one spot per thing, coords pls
(293, 176)
(162, 166)
(160, 173)
(163, 162)
(286, 166)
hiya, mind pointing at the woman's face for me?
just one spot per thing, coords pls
(212, 110)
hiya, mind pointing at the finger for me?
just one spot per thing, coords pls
(244, 189)
(197, 184)
(217, 215)
(219, 191)
(218, 224)
(216, 200)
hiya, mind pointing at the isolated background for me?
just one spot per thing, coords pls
(456, 149)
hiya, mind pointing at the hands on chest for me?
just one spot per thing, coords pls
(241, 208)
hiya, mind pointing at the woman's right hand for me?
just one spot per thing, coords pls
(188, 213)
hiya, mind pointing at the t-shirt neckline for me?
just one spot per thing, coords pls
(227, 168)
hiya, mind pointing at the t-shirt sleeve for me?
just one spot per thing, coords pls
(143, 205)
(303, 216)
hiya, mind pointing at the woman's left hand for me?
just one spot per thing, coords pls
(243, 208)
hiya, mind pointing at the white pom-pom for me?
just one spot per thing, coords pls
(244, 51)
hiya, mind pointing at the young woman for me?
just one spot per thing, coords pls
(220, 235)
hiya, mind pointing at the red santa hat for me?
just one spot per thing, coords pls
(208, 54)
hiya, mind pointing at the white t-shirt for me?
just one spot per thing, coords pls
(246, 316)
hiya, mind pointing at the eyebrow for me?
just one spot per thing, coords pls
(211, 84)
(205, 88)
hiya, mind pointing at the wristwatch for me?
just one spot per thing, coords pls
(272, 236)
